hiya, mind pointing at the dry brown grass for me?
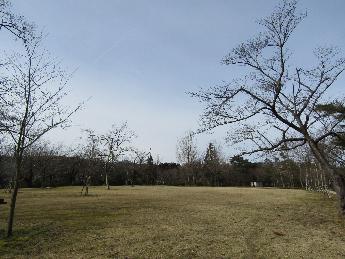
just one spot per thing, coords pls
(174, 222)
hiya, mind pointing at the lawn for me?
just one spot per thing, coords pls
(173, 222)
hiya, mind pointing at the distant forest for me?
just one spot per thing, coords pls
(43, 168)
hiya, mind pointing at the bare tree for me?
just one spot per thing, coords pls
(138, 159)
(276, 101)
(140, 156)
(32, 105)
(186, 150)
(115, 144)
(91, 153)
(187, 155)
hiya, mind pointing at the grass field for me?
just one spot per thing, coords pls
(173, 222)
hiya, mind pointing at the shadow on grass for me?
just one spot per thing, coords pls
(25, 239)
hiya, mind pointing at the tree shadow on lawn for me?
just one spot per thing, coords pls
(26, 240)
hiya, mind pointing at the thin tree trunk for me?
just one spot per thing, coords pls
(282, 180)
(106, 175)
(300, 176)
(107, 181)
(292, 184)
(13, 199)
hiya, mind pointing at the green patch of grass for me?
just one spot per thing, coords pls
(174, 222)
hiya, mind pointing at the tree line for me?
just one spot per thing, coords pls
(46, 166)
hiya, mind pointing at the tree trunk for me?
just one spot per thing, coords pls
(300, 177)
(43, 177)
(339, 187)
(12, 209)
(282, 180)
(14, 198)
(107, 181)
(338, 178)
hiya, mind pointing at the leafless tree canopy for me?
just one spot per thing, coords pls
(15, 24)
(276, 101)
(139, 156)
(116, 141)
(91, 149)
(186, 149)
(111, 145)
(35, 87)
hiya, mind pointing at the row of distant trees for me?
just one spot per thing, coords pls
(285, 169)
(108, 159)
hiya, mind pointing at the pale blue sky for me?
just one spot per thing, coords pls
(137, 58)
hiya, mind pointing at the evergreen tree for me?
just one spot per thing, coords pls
(212, 155)
(336, 110)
